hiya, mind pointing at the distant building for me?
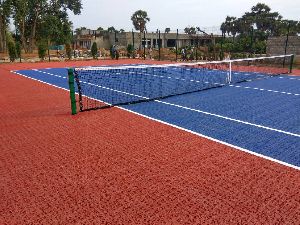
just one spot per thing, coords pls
(105, 39)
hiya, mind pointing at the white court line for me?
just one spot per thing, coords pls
(184, 129)
(262, 89)
(290, 78)
(228, 118)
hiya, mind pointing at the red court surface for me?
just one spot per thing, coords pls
(114, 167)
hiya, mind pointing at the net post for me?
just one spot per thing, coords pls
(291, 63)
(133, 55)
(72, 90)
(144, 45)
(230, 71)
(176, 47)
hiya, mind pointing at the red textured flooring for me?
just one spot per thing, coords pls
(113, 167)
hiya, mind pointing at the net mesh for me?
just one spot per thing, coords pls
(100, 87)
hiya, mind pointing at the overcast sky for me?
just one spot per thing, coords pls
(173, 13)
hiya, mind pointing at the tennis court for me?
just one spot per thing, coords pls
(228, 154)
(260, 116)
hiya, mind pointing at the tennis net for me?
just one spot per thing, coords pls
(100, 87)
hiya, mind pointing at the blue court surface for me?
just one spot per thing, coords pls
(261, 117)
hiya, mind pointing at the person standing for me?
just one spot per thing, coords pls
(150, 52)
(183, 54)
(117, 54)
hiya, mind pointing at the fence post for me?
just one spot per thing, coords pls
(286, 42)
(251, 42)
(159, 43)
(133, 55)
(291, 63)
(176, 45)
(144, 45)
(73, 43)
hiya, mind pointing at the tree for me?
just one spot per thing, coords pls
(100, 29)
(253, 28)
(43, 19)
(139, 20)
(12, 51)
(69, 51)
(201, 31)
(263, 19)
(130, 50)
(94, 50)
(5, 12)
(111, 29)
(122, 30)
(230, 26)
(42, 48)
(78, 30)
(190, 30)
(18, 50)
(167, 30)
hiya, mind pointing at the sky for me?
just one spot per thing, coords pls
(175, 14)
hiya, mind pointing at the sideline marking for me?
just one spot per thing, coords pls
(262, 89)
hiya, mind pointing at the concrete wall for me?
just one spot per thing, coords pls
(276, 45)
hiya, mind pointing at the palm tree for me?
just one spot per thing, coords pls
(139, 20)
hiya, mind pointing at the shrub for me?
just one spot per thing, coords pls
(94, 50)
(130, 50)
(18, 50)
(12, 51)
(68, 51)
(112, 52)
(42, 48)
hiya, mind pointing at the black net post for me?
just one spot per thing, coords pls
(73, 43)
(222, 42)
(144, 45)
(197, 46)
(214, 46)
(49, 50)
(251, 41)
(159, 43)
(133, 44)
(291, 63)
(286, 42)
(176, 45)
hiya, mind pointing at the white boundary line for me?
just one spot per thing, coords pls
(187, 130)
(290, 78)
(216, 140)
(262, 89)
(228, 118)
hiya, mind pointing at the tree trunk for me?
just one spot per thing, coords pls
(33, 33)
(22, 35)
(2, 35)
